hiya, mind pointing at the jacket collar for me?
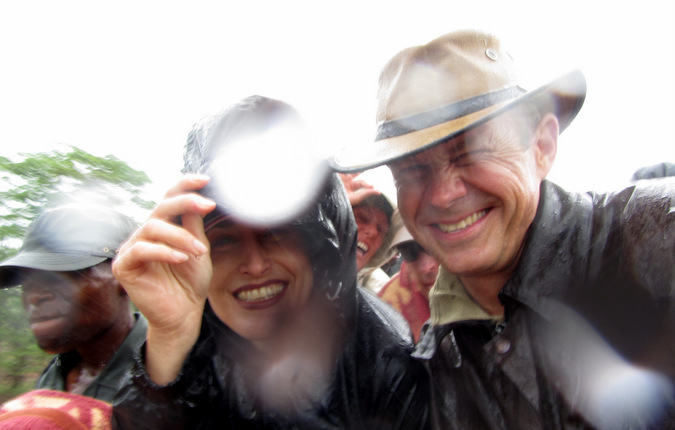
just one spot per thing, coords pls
(555, 254)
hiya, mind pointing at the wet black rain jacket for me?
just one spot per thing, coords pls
(375, 384)
(589, 334)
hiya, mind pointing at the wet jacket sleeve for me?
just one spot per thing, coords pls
(391, 390)
(142, 404)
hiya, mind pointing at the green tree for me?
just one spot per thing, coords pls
(47, 179)
(21, 360)
(36, 182)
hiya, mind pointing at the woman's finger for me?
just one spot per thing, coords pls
(187, 183)
(140, 254)
(171, 208)
(171, 235)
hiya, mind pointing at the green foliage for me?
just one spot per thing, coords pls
(27, 187)
(21, 361)
(46, 179)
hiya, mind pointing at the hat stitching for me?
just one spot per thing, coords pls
(446, 113)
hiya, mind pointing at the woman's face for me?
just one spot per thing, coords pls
(262, 278)
(373, 225)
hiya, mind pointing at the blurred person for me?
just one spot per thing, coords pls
(260, 325)
(552, 309)
(75, 306)
(659, 170)
(377, 222)
(408, 289)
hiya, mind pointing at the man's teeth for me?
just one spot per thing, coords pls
(260, 294)
(362, 246)
(450, 228)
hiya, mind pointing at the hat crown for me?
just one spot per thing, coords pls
(81, 229)
(452, 68)
(432, 93)
(67, 238)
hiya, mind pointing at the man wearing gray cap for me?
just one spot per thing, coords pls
(552, 309)
(75, 307)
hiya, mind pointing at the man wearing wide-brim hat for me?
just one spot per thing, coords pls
(552, 309)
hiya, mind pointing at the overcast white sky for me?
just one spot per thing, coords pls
(129, 78)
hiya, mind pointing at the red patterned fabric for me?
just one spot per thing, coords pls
(401, 293)
(55, 410)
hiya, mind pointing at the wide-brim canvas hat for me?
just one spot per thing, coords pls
(69, 237)
(402, 236)
(431, 93)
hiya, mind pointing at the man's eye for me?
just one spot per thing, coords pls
(466, 158)
(411, 173)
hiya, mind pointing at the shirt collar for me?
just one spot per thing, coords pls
(450, 302)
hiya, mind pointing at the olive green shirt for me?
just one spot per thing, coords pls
(107, 382)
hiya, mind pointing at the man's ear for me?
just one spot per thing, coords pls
(545, 144)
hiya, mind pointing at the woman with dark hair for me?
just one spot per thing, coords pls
(256, 322)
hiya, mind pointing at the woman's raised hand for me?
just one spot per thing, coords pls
(166, 269)
(357, 189)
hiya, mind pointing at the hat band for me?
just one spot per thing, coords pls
(445, 113)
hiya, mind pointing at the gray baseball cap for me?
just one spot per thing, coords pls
(69, 237)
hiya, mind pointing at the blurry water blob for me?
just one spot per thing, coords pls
(622, 395)
(607, 389)
(269, 177)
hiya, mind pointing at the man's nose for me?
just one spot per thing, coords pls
(446, 186)
(369, 229)
(427, 263)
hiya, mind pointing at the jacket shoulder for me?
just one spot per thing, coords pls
(382, 319)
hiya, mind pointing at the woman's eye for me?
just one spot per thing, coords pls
(358, 216)
(222, 241)
(275, 236)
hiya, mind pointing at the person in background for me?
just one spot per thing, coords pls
(377, 221)
(260, 324)
(75, 306)
(552, 309)
(660, 170)
(408, 290)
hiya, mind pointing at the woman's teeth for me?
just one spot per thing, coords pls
(260, 294)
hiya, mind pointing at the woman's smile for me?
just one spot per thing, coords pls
(261, 296)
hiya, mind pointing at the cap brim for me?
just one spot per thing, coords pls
(568, 93)
(46, 261)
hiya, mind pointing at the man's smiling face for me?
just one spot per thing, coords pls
(469, 201)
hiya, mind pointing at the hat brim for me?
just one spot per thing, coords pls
(567, 93)
(45, 261)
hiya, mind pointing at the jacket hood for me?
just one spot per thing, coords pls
(325, 221)
(262, 160)
(330, 232)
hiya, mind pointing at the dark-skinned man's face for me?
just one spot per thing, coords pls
(66, 309)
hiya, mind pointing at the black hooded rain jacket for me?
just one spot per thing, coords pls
(375, 383)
